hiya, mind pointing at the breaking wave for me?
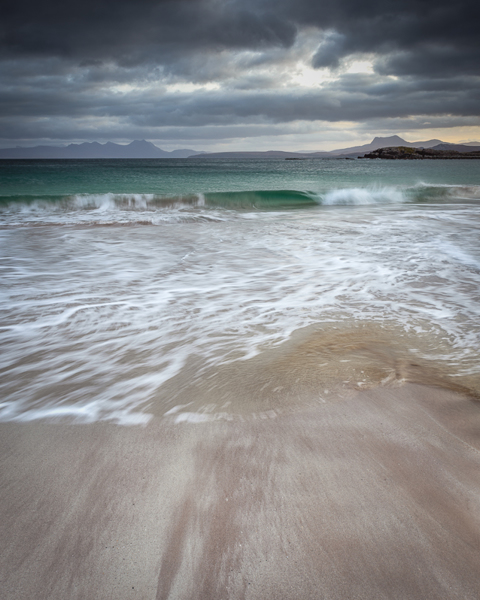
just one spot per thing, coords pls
(152, 207)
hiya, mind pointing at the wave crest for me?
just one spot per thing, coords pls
(363, 196)
(129, 207)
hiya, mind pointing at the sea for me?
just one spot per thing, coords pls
(198, 289)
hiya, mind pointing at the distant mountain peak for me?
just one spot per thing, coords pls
(141, 143)
(384, 142)
(390, 138)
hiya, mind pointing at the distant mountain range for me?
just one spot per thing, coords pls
(352, 152)
(136, 149)
(144, 149)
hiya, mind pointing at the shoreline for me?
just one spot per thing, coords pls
(373, 495)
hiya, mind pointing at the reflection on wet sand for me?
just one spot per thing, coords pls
(315, 365)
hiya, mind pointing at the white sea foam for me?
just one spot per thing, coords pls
(124, 209)
(96, 321)
(103, 209)
(455, 252)
(190, 417)
(363, 196)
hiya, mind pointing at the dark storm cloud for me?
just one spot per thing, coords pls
(94, 66)
(136, 31)
(350, 98)
(411, 34)
(343, 102)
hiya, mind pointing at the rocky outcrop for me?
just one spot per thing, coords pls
(405, 153)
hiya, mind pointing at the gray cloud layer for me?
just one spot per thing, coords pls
(73, 71)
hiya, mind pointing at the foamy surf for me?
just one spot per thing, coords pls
(364, 196)
(133, 288)
(112, 208)
(112, 324)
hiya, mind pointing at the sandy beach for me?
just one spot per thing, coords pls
(372, 496)
(239, 300)
(232, 403)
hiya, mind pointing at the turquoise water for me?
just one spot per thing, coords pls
(127, 285)
(29, 180)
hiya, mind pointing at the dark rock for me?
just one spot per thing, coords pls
(405, 153)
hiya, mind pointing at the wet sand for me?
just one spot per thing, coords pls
(374, 495)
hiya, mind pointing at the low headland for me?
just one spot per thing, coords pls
(405, 153)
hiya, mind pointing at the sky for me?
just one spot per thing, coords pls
(222, 75)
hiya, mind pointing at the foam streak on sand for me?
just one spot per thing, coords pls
(376, 496)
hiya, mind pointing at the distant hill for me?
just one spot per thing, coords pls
(136, 149)
(353, 152)
(384, 142)
(458, 147)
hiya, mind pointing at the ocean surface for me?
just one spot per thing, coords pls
(198, 289)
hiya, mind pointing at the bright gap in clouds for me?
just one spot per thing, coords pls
(306, 76)
(188, 87)
(360, 66)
